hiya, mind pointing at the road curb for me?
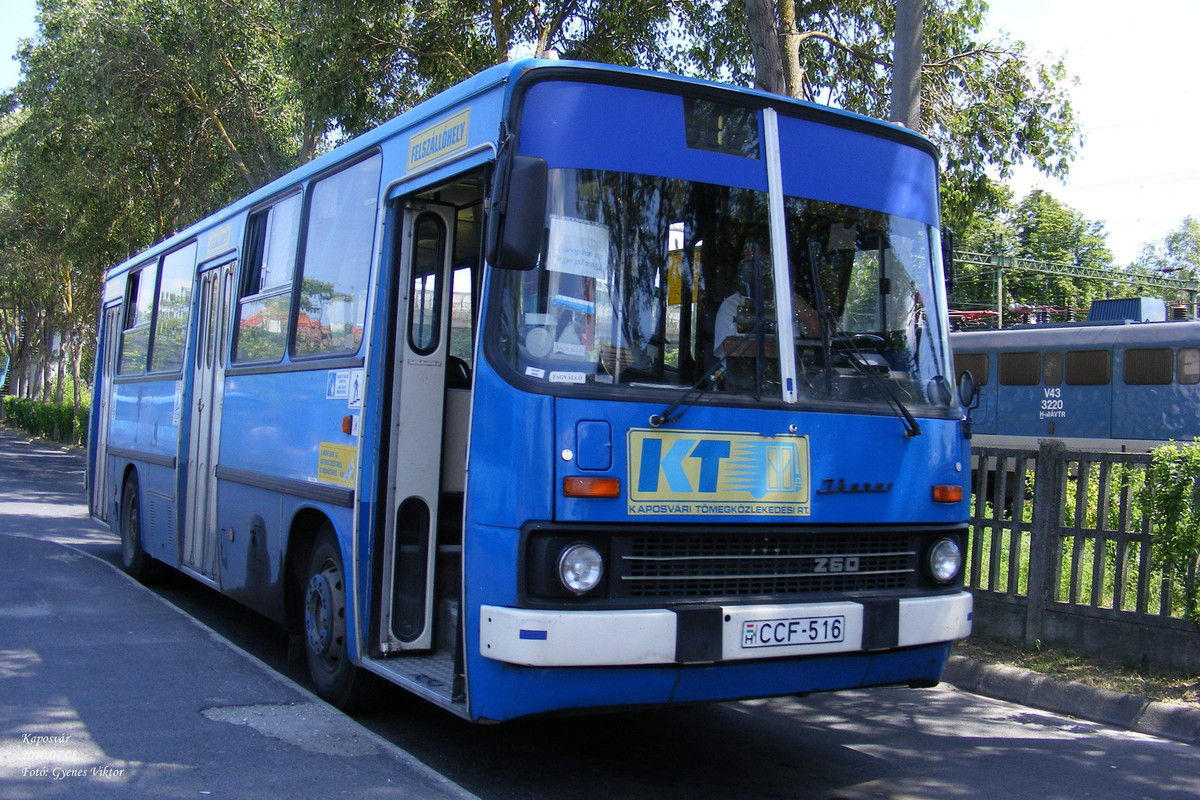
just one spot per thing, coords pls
(1166, 720)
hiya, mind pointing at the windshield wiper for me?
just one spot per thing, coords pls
(858, 361)
(668, 415)
(847, 348)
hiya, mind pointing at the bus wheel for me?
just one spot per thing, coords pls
(337, 680)
(134, 559)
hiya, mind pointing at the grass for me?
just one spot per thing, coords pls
(1064, 664)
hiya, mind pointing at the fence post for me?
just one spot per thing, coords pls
(1043, 535)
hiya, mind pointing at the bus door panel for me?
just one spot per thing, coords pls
(421, 347)
(213, 302)
(110, 341)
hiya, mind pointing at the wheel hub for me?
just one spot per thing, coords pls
(318, 614)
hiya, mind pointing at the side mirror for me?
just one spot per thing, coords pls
(968, 391)
(517, 222)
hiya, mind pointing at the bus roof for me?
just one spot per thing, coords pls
(506, 75)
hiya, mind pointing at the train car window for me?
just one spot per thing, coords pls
(1151, 366)
(975, 363)
(1052, 367)
(1020, 369)
(1088, 367)
(1187, 365)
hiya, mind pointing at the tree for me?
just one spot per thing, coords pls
(1039, 228)
(1176, 254)
(987, 104)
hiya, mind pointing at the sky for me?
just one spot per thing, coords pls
(1138, 170)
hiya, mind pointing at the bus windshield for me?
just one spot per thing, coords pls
(659, 283)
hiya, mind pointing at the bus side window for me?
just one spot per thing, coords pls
(174, 305)
(340, 237)
(139, 307)
(425, 294)
(461, 303)
(265, 293)
(468, 238)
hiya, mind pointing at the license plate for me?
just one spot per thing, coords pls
(792, 631)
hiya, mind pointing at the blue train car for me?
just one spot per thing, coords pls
(1120, 385)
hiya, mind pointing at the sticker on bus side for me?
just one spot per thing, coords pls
(335, 463)
(719, 474)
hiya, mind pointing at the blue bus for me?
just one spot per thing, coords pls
(1116, 385)
(572, 387)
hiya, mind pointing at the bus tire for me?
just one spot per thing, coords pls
(134, 559)
(337, 680)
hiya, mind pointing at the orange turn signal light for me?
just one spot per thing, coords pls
(591, 487)
(943, 493)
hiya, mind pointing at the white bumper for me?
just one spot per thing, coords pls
(653, 636)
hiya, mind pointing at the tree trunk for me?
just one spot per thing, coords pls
(765, 46)
(76, 365)
(906, 64)
(60, 373)
(47, 354)
(792, 71)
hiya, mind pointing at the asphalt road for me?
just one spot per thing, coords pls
(892, 743)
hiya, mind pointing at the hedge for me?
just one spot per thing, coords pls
(55, 421)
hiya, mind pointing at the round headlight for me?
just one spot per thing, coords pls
(945, 560)
(579, 567)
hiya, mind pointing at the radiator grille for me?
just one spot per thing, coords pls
(719, 565)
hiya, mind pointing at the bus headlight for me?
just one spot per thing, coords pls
(580, 567)
(944, 560)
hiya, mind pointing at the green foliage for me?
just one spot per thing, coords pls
(1177, 253)
(1173, 479)
(988, 104)
(1042, 229)
(56, 421)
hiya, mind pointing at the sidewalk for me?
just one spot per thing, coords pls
(108, 691)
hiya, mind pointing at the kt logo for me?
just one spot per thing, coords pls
(695, 465)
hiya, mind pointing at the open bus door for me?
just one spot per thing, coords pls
(199, 551)
(110, 346)
(424, 252)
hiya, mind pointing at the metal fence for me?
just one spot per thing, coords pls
(1062, 552)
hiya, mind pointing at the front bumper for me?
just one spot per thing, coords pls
(715, 633)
